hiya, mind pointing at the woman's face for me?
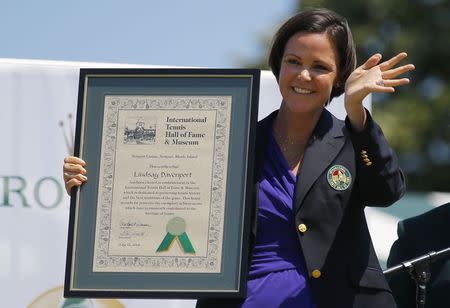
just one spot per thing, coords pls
(308, 72)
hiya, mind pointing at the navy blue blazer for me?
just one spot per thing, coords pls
(332, 230)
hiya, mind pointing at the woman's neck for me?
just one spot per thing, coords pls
(292, 133)
(295, 128)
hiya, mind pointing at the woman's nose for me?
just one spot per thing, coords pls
(304, 74)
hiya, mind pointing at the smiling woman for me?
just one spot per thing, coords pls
(314, 174)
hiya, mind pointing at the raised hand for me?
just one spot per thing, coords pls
(74, 172)
(371, 77)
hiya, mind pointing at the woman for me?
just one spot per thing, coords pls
(314, 174)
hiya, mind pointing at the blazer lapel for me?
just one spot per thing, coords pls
(262, 134)
(325, 144)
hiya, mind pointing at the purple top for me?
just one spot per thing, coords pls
(277, 275)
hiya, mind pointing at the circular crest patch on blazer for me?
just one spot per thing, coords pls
(339, 177)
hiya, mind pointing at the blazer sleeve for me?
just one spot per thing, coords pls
(379, 178)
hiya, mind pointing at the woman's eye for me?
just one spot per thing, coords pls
(293, 61)
(322, 67)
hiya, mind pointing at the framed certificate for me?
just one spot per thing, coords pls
(166, 210)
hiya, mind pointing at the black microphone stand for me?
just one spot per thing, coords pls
(419, 271)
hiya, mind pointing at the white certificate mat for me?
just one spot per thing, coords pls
(163, 173)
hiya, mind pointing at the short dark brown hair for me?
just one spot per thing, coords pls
(318, 21)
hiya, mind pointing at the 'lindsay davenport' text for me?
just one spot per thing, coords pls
(162, 174)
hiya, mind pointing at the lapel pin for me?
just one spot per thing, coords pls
(339, 177)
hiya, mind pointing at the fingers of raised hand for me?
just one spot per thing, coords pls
(392, 73)
(389, 80)
(371, 62)
(392, 61)
(387, 86)
(396, 82)
(388, 73)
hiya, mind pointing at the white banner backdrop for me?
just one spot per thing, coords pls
(37, 119)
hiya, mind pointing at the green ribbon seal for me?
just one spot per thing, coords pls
(176, 229)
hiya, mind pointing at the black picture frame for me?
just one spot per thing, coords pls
(96, 87)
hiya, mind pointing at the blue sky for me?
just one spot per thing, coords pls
(204, 33)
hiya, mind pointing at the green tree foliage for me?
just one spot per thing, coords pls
(416, 119)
